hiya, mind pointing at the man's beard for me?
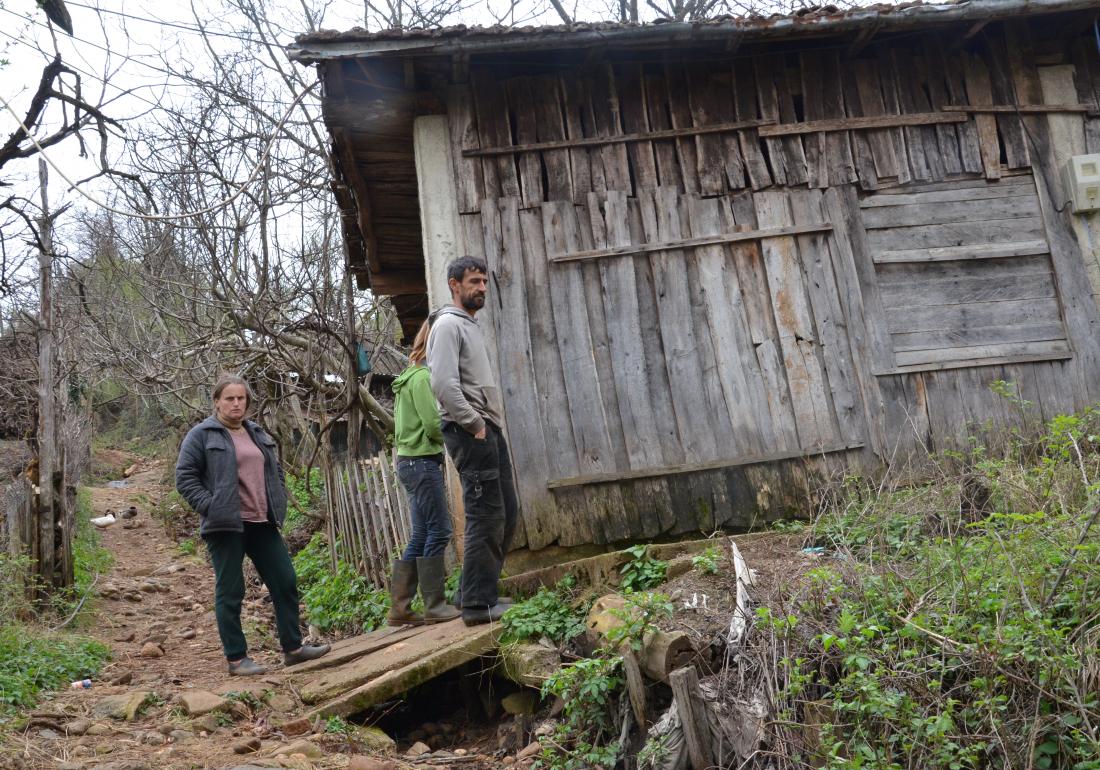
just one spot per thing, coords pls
(474, 302)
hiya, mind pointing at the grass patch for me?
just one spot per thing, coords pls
(33, 662)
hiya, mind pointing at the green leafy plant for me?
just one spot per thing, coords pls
(642, 572)
(336, 599)
(304, 496)
(638, 617)
(451, 584)
(707, 561)
(188, 547)
(551, 613)
(336, 725)
(590, 689)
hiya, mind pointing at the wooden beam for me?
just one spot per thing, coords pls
(688, 243)
(345, 158)
(848, 124)
(862, 39)
(713, 465)
(937, 366)
(953, 253)
(390, 282)
(1026, 109)
(598, 141)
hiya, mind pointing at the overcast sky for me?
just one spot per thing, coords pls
(121, 47)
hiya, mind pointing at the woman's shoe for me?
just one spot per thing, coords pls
(304, 653)
(246, 667)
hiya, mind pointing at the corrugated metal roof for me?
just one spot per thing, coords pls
(327, 44)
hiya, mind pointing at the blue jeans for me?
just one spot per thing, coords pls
(422, 478)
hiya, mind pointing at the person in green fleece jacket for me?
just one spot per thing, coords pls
(418, 437)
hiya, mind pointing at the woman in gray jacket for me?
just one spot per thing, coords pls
(229, 473)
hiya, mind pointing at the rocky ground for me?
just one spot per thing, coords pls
(165, 701)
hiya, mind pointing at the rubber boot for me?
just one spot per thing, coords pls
(402, 592)
(431, 572)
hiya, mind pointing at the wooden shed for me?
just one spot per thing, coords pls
(730, 257)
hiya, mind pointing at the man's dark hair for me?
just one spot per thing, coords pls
(457, 269)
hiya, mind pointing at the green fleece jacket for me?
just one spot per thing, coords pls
(416, 423)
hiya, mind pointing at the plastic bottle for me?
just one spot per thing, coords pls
(81, 684)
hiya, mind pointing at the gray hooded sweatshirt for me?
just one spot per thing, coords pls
(462, 380)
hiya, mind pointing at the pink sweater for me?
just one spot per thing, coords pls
(250, 473)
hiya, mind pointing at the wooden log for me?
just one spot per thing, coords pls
(529, 664)
(635, 686)
(661, 652)
(693, 720)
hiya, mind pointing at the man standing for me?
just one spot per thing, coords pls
(471, 410)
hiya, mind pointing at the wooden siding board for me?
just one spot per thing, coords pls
(929, 62)
(606, 114)
(831, 325)
(921, 144)
(521, 104)
(574, 341)
(500, 175)
(764, 73)
(923, 214)
(561, 447)
(719, 156)
(797, 336)
(636, 121)
(687, 149)
(665, 150)
(517, 373)
(1009, 126)
(979, 91)
(550, 127)
(464, 136)
(986, 286)
(952, 67)
(661, 220)
(867, 97)
(579, 161)
(975, 336)
(657, 376)
(736, 367)
(760, 319)
(746, 108)
(624, 325)
(592, 231)
(955, 234)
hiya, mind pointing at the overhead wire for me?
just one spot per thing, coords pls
(168, 217)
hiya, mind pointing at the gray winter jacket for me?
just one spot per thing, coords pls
(206, 476)
(462, 380)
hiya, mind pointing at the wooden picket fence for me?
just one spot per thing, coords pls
(368, 519)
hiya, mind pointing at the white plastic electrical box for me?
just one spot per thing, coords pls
(1083, 180)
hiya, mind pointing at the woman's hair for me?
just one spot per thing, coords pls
(232, 379)
(419, 352)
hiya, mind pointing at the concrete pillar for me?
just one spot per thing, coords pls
(440, 227)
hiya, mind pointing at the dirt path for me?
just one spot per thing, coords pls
(155, 612)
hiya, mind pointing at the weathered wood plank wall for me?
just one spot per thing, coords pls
(663, 374)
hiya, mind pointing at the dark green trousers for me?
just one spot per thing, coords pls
(264, 545)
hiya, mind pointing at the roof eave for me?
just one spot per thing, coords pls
(309, 51)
